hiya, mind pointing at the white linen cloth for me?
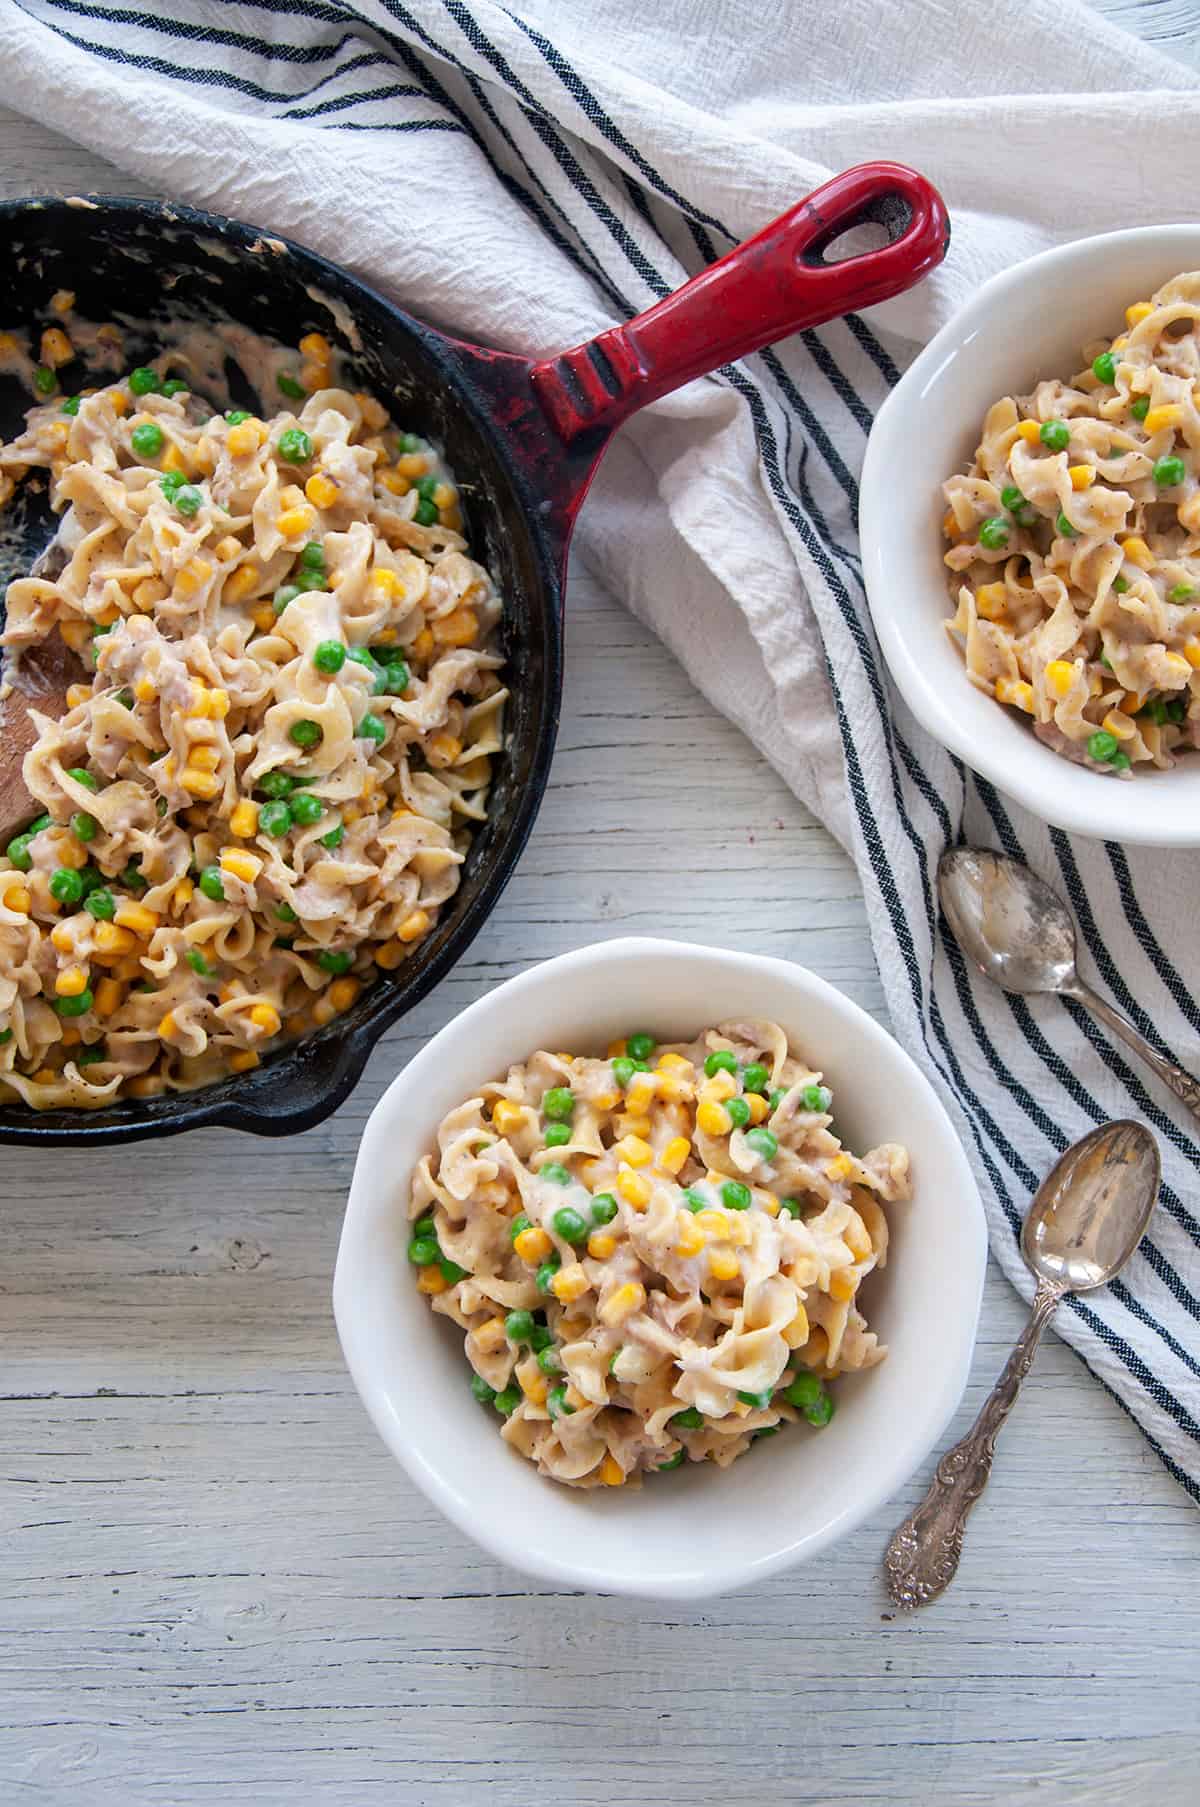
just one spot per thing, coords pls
(526, 175)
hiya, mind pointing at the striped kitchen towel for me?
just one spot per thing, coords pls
(524, 176)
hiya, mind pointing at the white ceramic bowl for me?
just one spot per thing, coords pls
(1024, 325)
(697, 1530)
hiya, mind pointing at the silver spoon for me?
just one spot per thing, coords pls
(1019, 933)
(1086, 1219)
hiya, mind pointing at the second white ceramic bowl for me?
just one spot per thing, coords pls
(696, 1530)
(1024, 325)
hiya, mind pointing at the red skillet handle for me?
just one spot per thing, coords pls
(776, 284)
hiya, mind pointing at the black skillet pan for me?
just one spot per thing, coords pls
(523, 438)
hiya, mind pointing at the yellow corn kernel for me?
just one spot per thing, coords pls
(1060, 675)
(386, 586)
(1191, 652)
(458, 628)
(532, 1381)
(414, 926)
(1139, 311)
(622, 1303)
(452, 518)
(605, 1101)
(840, 1167)
(243, 1060)
(722, 1085)
(197, 571)
(490, 1336)
(323, 1011)
(205, 455)
(295, 523)
(714, 1223)
(317, 347)
(68, 851)
(343, 993)
(266, 1018)
(1015, 691)
(244, 819)
(768, 1202)
(390, 955)
(244, 437)
(119, 400)
(856, 1239)
(1118, 723)
(392, 481)
(1178, 663)
(444, 495)
(62, 301)
(633, 1150)
(1030, 431)
(321, 490)
(570, 1283)
(443, 749)
(723, 1264)
(713, 1118)
(633, 1188)
(62, 937)
(78, 693)
(228, 549)
(241, 583)
(77, 634)
(71, 982)
(614, 1050)
(533, 1245)
(107, 997)
(673, 1063)
(601, 1245)
(689, 1238)
(1119, 343)
(167, 1025)
(1169, 414)
(1081, 475)
(1136, 551)
(199, 783)
(145, 690)
(107, 938)
(241, 864)
(183, 893)
(47, 1076)
(413, 464)
(71, 1036)
(640, 1093)
(134, 916)
(56, 347)
(758, 1107)
(843, 1284)
(263, 617)
(611, 1472)
(147, 595)
(990, 600)
(506, 1116)
(795, 1334)
(422, 647)
(431, 1280)
(675, 1154)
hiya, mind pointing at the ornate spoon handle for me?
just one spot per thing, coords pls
(1185, 1088)
(923, 1554)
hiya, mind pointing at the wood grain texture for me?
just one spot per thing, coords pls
(217, 1587)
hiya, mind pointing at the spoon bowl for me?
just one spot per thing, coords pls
(1007, 920)
(1091, 1210)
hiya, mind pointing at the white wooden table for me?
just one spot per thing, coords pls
(217, 1587)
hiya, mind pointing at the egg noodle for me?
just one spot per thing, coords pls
(264, 789)
(1075, 546)
(653, 1263)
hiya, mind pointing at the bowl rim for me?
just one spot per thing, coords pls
(367, 1206)
(1063, 806)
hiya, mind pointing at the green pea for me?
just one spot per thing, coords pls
(764, 1142)
(556, 1173)
(18, 851)
(994, 532)
(759, 1400)
(816, 1098)
(820, 1411)
(540, 1338)
(507, 1402)
(695, 1201)
(426, 485)
(423, 1251)
(1119, 762)
(804, 1390)
(92, 880)
(1055, 434)
(132, 878)
(556, 1403)
(84, 777)
(44, 380)
(335, 960)
(1180, 592)
(483, 1393)
(147, 439)
(721, 1060)
(1168, 472)
(169, 482)
(198, 963)
(71, 405)
(396, 678)
(329, 656)
(776, 1099)
(690, 1419)
(1102, 745)
(671, 1462)
(275, 819)
(604, 1208)
(738, 1112)
(87, 1057)
(1063, 526)
(312, 556)
(306, 733)
(103, 628)
(334, 838)
(517, 1225)
(557, 1135)
(306, 809)
(755, 1077)
(101, 904)
(277, 784)
(66, 885)
(143, 380)
(1120, 585)
(125, 698)
(284, 594)
(735, 1196)
(173, 386)
(623, 1070)
(407, 442)
(789, 1207)
(294, 446)
(74, 1006)
(37, 825)
(569, 1224)
(547, 1272)
(1104, 368)
(450, 1271)
(548, 1361)
(212, 884)
(235, 416)
(425, 514)
(5, 1036)
(187, 499)
(310, 580)
(559, 1103)
(84, 827)
(640, 1046)
(1177, 709)
(1140, 408)
(289, 386)
(765, 1430)
(371, 728)
(519, 1326)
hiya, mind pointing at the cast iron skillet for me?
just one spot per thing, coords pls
(523, 439)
